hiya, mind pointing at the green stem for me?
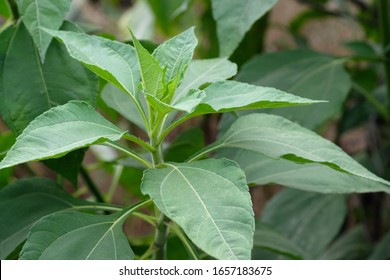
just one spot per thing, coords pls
(179, 233)
(160, 240)
(384, 17)
(115, 182)
(138, 141)
(129, 153)
(370, 98)
(91, 185)
(98, 207)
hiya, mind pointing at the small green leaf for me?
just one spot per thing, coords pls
(78, 236)
(308, 219)
(151, 72)
(5, 9)
(25, 202)
(234, 18)
(353, 245)
(31, 88)
(38, 14)
(306, 74)
(276, 137)
(266, 238)
(262, 170)
(61, 130)
(113, 61)
(211, 203)
(200, 72)
(176, 53)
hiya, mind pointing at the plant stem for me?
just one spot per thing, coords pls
(129, 153)
(91, 185)
(115, 182)
(160, 240)
(138, 141)
(190, 249)
(384, 17)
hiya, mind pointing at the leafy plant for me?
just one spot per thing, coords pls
(200, 197)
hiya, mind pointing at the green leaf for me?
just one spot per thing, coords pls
(5, 9)
(267, 238)
(185, 145)
(382, 249)
(176, 53)
(120, 101)
(304, 73)
(354, 245)
(209, 200)
(31, 88)
(234, 18)
(226, 96)
(151, 73)
(262, 170)
(200, 72)
(308, 219)
(25, 202)
(113, 61)
(60, 130)
(38, 14)
(78, 236)
(276, 137)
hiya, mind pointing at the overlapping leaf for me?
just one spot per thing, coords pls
(61, 130)
(78, 236)
(211, 203)
(277, 137)
(38, 14)
(308, 219)
(25, 202)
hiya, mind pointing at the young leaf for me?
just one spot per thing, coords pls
(38, 14)
(234, 18)
(266, 238)
(60, 130)
(78, 236)
(113, 61)
(304, 73)
(176, 53)
(209, 200)
(31, 88)
(262, 170)
(151, 73)
(277, 137)
(25, 202)
(200, 72)
(308, 219)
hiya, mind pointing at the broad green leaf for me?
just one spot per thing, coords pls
(200, 72)
(308, 219)
(209, 200)
(120, 101)
(266, 238)
(152, 74)
(262, 170)
(30, 87)
(382, 249)
(113, 61)
(353, 245)
(185, 145)
(25, 202)
(60, 130)
(277, 137)
(234, 18)
(38, 14)
(176, 53)
(78, 236)
(228, 96)
(304, 73)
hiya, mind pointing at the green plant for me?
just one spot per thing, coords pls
(200, 197)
